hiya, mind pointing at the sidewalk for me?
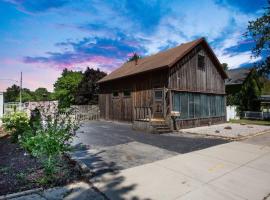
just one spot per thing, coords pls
(235, 170)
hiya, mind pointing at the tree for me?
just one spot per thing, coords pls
(12, 93)
(259, 31)
(134, 57)
(250, 92)
(225, 66)
(41, 94)
(88, 89)
(66, 86)
(27, 95)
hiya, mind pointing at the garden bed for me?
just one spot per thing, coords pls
(20, 171)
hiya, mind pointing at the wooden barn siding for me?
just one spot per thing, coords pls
(189, 123)
(186, 76)
(141, 87)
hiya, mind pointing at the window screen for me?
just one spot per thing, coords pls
(196, 105)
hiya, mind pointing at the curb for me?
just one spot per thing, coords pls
(80, 165)
(228, 138)
(19, 194)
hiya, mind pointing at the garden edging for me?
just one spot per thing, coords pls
(19, 194)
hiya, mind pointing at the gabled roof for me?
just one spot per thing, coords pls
(237, 76)
(160, 60)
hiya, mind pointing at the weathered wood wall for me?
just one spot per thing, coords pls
(121, 108)
(187, 76)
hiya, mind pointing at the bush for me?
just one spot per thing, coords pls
(17, 123)
(53, 138)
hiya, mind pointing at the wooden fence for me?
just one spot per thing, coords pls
(78, 112)
(86, 112)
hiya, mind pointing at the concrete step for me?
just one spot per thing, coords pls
(161, 128)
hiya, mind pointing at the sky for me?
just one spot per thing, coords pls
(42, 37)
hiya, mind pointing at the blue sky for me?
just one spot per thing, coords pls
(42, 37)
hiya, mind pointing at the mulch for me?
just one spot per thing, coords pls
(19, 171)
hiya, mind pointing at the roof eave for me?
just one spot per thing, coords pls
(151, 70)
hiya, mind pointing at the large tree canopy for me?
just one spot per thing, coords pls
(259, 31)
(42, 94)
(66, 86)
(12, 93)
(87, 92)
(250, 92)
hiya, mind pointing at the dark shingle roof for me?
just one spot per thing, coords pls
(237, 76)
(162, 59)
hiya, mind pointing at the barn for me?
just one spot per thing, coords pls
(177, 88)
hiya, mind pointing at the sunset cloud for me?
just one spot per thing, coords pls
(45, 36)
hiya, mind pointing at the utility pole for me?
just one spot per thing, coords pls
(21, 92)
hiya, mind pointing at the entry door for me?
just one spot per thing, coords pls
(158, 103)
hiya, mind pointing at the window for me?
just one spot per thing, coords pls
(158, 95)
(115, 94)
(201, 62)
(127, 93)
(198, 105)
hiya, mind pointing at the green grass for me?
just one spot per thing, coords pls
(249, 121)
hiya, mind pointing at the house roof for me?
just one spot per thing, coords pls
(164, 59)
(237, 76)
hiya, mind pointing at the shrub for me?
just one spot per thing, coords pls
(53, 138)
(17, 123)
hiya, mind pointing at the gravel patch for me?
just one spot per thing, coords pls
(229, 130)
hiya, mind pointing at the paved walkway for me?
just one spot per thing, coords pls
(236, 170)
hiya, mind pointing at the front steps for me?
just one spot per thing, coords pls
(156, 126)
(160, 127)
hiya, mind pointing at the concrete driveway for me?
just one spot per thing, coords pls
(105, 146)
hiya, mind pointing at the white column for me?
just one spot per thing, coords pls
(1, 106)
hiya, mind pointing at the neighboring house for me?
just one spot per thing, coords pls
(236, 78)
(188, 79)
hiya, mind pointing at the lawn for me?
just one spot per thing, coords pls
(249, 121)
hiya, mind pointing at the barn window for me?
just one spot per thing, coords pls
(127, 93)
(115, 94)
(158, 95)
(201, 62)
